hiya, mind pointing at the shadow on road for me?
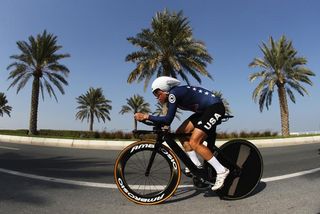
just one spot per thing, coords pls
(15, 189)
(184, 194)
(57, 166)
(261, 186)
(187, 193)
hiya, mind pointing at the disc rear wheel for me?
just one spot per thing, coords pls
(240, 184)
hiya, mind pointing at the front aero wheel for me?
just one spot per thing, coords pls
(153, 188)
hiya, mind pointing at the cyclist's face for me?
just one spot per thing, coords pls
(161, 96)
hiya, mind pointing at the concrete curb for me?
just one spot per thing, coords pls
(119, 145)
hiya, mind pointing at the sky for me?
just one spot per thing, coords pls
(95, 32)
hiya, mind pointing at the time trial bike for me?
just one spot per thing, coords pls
(148, 172)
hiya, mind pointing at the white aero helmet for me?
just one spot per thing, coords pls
(164, 83)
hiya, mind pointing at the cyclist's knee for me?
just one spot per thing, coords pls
(187, 147)
(183, 139)
(195, 142)
(197, 139)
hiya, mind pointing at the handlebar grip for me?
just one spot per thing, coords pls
(148, 122)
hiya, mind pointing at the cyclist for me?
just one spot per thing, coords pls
(208, 111)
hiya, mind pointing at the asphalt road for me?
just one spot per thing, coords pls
(23, 194)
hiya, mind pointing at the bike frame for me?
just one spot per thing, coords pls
(169, 139)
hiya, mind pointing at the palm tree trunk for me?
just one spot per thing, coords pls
(91, 121)
(135, 124)
(34, 106)
(166, 69)
(284, 111)
(166, 72)
(164, 112)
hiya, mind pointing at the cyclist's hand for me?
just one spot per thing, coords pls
(140, 116)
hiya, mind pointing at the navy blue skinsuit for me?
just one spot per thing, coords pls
(186, 97)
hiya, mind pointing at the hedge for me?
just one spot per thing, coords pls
(123, 135)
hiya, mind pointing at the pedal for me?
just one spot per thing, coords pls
(200, 183)
(187, 173)
(209, 183)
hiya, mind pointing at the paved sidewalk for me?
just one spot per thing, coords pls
(119, 145)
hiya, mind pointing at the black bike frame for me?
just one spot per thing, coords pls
(169, 139)
(183, 157)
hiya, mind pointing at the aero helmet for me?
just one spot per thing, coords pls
(164, 83)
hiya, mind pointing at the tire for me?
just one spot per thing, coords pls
(248, 157)
(129, 173)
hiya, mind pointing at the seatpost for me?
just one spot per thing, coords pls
(211, 140)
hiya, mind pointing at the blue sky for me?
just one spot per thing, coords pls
(94, 34)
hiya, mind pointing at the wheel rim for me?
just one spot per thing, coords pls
(133, 189)
(153, 184)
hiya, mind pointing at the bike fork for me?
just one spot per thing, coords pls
(152, 157)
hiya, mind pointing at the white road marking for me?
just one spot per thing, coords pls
(10, 148)
(113, 186)
(58, 180)
(281, 177)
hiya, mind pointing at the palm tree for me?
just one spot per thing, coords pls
(160, 111)
(281, 68)
(93, 104)
(38, 61)
(4, 108)
(168, 49)
(225, 102)
(135, 104)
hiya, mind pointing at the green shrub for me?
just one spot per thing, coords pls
(18, 132)
(126, 135)
(245, 134)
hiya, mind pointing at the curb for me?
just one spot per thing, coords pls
(119, 145)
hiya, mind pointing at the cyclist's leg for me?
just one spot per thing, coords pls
(187, 127)
(196, 140)
(198, 136)
(205, 125)
(203, 128)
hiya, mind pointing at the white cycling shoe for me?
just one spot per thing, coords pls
(220, 180)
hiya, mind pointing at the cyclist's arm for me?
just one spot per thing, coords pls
(167, 119)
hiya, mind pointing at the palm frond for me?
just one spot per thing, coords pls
(4, 108)
(93, 102)
(135, 104)
(281, 67)
(168, 48)
(39, 58)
